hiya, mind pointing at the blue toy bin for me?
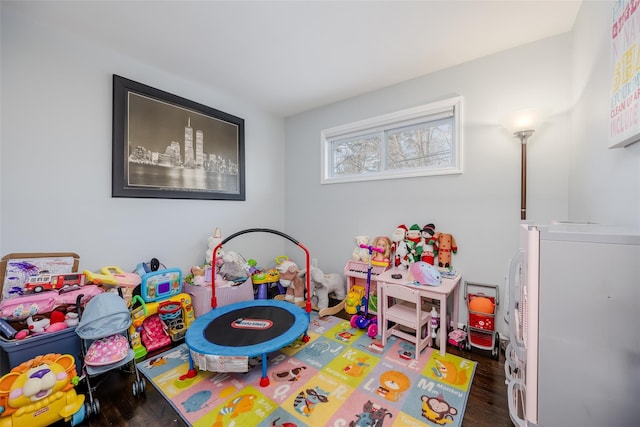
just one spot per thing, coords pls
(15, 352)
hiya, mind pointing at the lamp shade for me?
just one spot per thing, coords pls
(525, 119)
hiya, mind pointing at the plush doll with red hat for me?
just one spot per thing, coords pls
(399, 246)
(428, 254)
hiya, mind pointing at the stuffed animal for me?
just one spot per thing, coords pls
(428, 254)
(324, 284)
(399, 247)
(361, 254)
(36, 326)
(214, 240)
(291, 281)
(444, 245)
(232, 267)
(414, 246)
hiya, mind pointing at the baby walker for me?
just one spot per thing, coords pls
(363, 321)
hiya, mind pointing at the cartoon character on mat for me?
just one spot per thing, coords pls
(406, 350)
(392, 385)
(317, 348)
(448, 371)
(196, 401)
(292, 374)
(235, 407)
(437, 410)
(357, 369)
(372, 415)
(345, 335)
(285, 424)
(306, 401)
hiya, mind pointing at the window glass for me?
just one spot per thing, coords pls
(425, 140)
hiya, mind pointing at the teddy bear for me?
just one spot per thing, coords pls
(290, 280)
(323, 284)
(360, 253)
(444, 244)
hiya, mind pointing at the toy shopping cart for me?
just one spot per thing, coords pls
(482, 303)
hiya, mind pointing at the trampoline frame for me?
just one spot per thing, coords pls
(196, 338)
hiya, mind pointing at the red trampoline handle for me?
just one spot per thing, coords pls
(214, 301)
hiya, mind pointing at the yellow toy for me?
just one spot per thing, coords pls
(354, 299)
(40, 392)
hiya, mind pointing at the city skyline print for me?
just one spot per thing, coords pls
(165, 146)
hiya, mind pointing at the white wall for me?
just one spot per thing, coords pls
(480, 207)
(604, 184)
(56, 160)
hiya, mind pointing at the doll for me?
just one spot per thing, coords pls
(428, 255)
(445, 244)
(414, 247)
(382, 258)
(399, 246)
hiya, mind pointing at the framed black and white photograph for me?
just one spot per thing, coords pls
(165, 146)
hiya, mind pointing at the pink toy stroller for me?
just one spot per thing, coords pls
(105, 343)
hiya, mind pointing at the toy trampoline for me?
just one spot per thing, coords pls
(225, 338)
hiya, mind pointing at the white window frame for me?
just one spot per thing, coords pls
(451, 107)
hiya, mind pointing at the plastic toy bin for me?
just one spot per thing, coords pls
(225, 295)
(14, 352)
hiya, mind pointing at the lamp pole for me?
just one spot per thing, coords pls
(523, 136)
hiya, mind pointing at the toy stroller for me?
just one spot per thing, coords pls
(105, 343)
(363, 321)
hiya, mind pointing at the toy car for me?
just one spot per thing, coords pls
(49, 282)
(458, 338)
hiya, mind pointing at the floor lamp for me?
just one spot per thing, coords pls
(523, 124)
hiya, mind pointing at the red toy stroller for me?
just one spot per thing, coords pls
(482, 313)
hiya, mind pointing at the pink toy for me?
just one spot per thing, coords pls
(425, 274)
(107, 350)
(458, 338)
(55, 327)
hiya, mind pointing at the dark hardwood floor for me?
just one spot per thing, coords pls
(487, 405)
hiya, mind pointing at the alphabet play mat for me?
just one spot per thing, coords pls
(339, 377)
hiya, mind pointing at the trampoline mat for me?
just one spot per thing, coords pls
(249, 326)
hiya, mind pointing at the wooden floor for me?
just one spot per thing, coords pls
(486, 407)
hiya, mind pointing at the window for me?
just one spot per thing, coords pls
(425, 140)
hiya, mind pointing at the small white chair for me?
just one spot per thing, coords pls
(402, 306)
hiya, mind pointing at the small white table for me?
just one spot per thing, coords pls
(441, 293)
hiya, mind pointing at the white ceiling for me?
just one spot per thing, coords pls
(291, 56)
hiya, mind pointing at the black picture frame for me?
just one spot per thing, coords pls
(166, 146)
